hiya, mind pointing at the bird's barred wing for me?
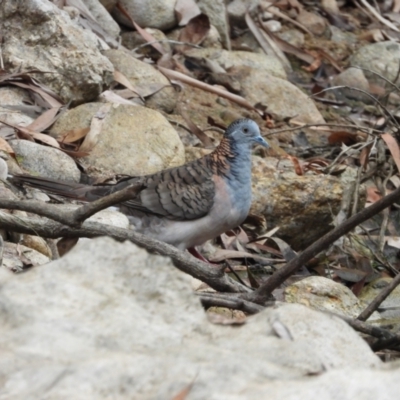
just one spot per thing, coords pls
(182, 193)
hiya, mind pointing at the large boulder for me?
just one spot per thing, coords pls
(133, 140)
(109, 320)
(37, 35)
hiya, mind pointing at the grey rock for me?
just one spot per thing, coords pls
(237, 10)
(283, 99)
(353, 78)
(312, 21)
(108, 216)
(14, 108)
(133, 39)
(159, 14)
(149, 82)
(381, 58)
(325, 295)
(3, 169)
(293, 37)
(41, 36)
(47, 162)
(134, 140)
(302, 206)
(108, 4)
(340, 36)
(102, 17)
(38, 244)
(273, 25)
(236, 59)
(390, 307)
(216, 12)
(213, 39)
(95, 322)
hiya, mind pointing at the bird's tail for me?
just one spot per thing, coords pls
(70, 190)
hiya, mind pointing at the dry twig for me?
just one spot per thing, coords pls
(263, 293)
(213, 277)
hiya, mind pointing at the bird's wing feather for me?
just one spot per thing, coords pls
(182, 193)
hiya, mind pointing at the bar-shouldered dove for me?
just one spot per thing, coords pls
(187, 205)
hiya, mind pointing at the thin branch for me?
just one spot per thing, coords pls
(383, 294)
(379, 75)
(378, 16)
(345, 126)
(183, 261)
(168, 41)
(229, 301)
(71, 218)
(263, 293)
(170, 74)
(391, 116)
(87, 210)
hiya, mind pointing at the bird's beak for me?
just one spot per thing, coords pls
(260, 140)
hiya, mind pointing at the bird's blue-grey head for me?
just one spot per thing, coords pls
(245, 131)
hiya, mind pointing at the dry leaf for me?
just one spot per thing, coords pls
(205, 140)
(297, 166)
(169, 73)
(373, 195)
(347, 138)
(195, 31)
(95, 128)
(45, 139)
(74, 135)
(393, 148)
(4, 146)
(45, 120)
(222, 254)
(145, 35)
(266, 43)
(123, 80)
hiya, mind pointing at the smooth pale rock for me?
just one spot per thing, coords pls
(236, 59)
(325, 295)
(293, 36)
(14, 109)
(149, 82)
(36, 243)
(108, 4)
(381, 58)
(44, 161)
(108, 216)
(216, 12)
(111, 217)
(390, 307)
(134, 140)
(102, 17)
(312, 21)
(12, 165)
(159, 14)
(283, 99)
(302, 206)
(95, 322)
(133, 39)
(41, 36)
(3, 169)
(353, 78)
(237, 10)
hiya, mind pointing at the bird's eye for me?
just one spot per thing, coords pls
(245, 130)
